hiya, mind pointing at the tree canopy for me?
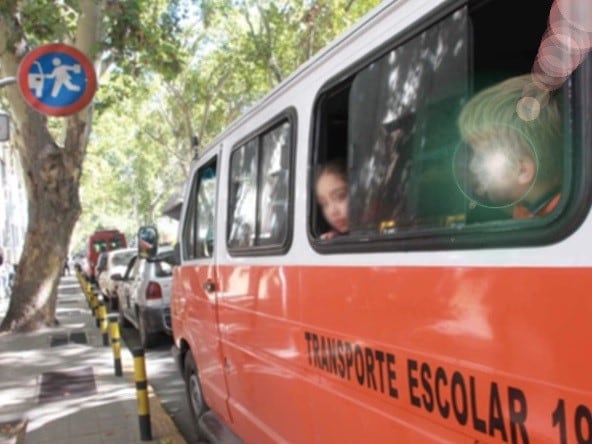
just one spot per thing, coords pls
(235, 51)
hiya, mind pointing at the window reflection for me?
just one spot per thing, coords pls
(259, 190)
(402, 132)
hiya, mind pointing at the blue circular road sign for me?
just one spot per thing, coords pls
(57, 79)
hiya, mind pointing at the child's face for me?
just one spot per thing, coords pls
(499, 177)
(333, 198)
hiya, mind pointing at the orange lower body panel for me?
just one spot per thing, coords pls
(406, 354)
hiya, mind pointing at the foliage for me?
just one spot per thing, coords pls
(127, 170)
(134, 38)
(142, 147)
(141, 33)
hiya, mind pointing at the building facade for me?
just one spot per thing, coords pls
(13, 204)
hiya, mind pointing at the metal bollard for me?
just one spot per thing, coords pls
(103, 323)
(142, 394)
(115, 344)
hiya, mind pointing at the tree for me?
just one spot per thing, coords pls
(240, 50)
(121, 36)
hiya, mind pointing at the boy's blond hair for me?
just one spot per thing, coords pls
(491, 115)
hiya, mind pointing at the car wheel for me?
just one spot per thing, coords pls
(197, 403)
(146, 338)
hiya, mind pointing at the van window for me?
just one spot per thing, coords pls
(259, 191)
(413, 172)
(199, 227)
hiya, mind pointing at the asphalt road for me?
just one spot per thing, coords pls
(167, 382)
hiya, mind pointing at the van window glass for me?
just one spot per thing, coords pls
(100, 246)
(437, 140)
(259, 190)
(188, 239)
(273, 186)
(243, 195)
(116, 243)
(401, 131)
(199, 228)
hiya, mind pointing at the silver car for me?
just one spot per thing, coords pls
(110, 264)
(144, 295)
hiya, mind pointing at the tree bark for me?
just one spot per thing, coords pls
(52, 177)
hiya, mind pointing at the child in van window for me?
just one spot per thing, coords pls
(516, 148)
(333, 197)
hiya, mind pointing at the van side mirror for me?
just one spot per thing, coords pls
(147, 241)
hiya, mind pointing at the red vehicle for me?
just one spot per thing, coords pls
(99, 242)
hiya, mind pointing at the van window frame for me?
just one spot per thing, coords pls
(289, 115)
(568, 217)
(190, 212)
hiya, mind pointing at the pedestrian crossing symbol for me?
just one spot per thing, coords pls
(57, 79)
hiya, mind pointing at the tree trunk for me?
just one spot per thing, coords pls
(52, 175)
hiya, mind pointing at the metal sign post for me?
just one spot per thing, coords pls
(4, 127)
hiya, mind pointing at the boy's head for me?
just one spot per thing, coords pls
(515, 141)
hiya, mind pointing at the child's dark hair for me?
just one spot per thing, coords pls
(335, 166)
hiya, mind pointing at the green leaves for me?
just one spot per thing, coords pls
(143, 35)
(225, 55)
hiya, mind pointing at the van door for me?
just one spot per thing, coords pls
(199, 282)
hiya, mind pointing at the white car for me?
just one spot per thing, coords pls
(144, 295)
(112, 263)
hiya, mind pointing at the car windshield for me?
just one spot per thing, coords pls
(122, 259)
(164, 265)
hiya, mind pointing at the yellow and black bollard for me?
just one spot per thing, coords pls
(142, 394)
(115, 344)
(95, 304)
(89, 293)
(103, 323)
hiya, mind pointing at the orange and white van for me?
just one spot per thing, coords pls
(439, 317)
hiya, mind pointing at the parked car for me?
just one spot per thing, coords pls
(144, 295)
(101, 242)
(109, 264)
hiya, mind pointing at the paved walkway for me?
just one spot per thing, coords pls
(61, 382)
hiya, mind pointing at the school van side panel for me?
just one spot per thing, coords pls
(466, 353)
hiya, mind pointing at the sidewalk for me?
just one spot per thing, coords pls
(61, 381)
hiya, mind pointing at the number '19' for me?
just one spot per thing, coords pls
(582, 423)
